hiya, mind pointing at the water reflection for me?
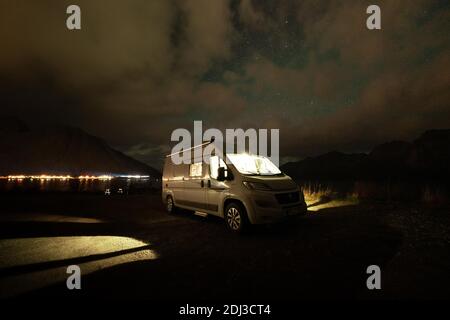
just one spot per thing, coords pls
(115, 185)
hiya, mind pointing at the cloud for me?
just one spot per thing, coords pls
(124, 64)
(139, 69)
(116, 40)
(206, 36)
(250, 16)
(381, 85)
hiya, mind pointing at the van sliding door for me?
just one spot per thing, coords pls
(194, 187)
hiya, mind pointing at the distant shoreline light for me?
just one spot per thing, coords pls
(68, 177)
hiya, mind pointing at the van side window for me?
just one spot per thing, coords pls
(195, 169)
(214, 163)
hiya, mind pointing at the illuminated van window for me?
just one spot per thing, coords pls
(214, 163)
(253, 165)
(195, 169)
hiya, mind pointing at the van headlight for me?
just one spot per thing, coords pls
(256, 186)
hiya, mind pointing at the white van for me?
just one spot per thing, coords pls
(246, 189)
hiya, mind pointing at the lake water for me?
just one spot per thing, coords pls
(126, 185)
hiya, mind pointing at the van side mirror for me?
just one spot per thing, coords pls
(221, 174)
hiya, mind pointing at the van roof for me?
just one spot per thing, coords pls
(192, 148)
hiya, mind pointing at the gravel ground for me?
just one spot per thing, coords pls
(128, 247)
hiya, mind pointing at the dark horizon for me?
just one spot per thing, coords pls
(157, 163)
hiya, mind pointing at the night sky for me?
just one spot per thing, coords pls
(140, 69)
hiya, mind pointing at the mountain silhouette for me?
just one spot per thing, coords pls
(61, 150)
(427, 157)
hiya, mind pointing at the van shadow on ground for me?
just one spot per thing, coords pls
(325, 255)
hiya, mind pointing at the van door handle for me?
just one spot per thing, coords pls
(202, 183)
(209, 183)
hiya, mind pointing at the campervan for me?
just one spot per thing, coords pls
(242, 188)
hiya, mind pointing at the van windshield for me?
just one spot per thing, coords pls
(253, 165)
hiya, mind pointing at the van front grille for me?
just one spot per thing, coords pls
(288, 197)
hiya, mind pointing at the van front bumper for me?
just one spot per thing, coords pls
(272, 215)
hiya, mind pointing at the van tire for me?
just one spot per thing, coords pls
(170, 205)
(236, 217)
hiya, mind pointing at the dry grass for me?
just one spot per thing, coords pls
(320, 196)
(317, 193)
(314, 192)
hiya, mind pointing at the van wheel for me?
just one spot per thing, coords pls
(170, 206)
(236, 217)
